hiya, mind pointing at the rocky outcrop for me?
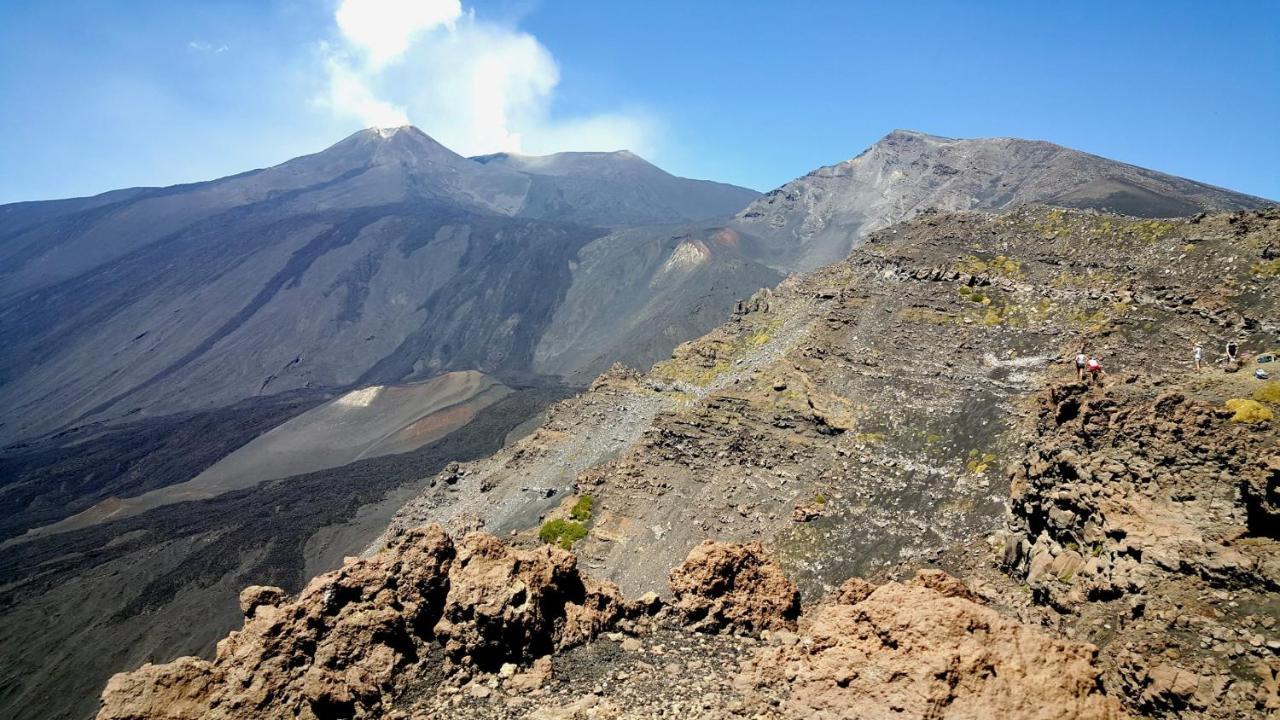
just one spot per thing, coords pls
(912, 651)
(448, 629)
(1145, 516)
(1099, 502)
(722, 586)
(507, 605)
(338, 649)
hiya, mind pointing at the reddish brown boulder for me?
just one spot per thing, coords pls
(256, 595)
(944, 584)
(853, 591)
(909, 651)
(340, 647)
(516, 605)
(180, 690)
(722, 586)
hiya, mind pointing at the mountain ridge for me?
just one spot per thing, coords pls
(826, 210)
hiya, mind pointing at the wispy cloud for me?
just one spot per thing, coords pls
(207, 47)
(475, 85)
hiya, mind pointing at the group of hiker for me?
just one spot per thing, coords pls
(1233, 360)
(1089, 367)
(1197, 355)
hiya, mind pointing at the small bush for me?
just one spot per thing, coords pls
(581, 510)
(1268, 393)
(820, 499)
(1266, 269)
(1249, 411)
(561, 532)
(979, 462)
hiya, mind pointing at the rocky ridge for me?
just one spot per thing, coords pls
(1135, 517)
(426, 626)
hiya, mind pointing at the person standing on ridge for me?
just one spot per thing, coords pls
(1198, 356)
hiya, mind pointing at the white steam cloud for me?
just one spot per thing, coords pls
(476, 86)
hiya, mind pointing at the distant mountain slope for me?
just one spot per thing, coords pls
(659, 286)
(386, 257)
(617, 188)
(815, 219)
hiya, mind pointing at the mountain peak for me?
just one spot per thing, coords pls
(908, 134)
(393, 145)
(387, 132)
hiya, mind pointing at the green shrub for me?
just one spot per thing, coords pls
(581, 510)
(561, 532)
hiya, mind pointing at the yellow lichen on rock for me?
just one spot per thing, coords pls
(1249, 411)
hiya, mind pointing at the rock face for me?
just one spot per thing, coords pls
(1100, 501)
(734, 587)
(1144, 498)
(911, 652)
(339, 648)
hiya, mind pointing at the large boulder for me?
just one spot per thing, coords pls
(923, 650)
(507, 605)
(340, 647)
(722, 586)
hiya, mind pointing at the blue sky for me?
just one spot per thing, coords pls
(100, 95)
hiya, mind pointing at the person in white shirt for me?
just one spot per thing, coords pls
(1198, 355)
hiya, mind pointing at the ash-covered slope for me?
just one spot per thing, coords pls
(867, 415)
(385, 258)
(617, 188)
(639, 292)
(816, 219)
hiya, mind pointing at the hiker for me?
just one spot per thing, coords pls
(1081, 361)
(1232, 349)
(1095, 371)
(1198, 354)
